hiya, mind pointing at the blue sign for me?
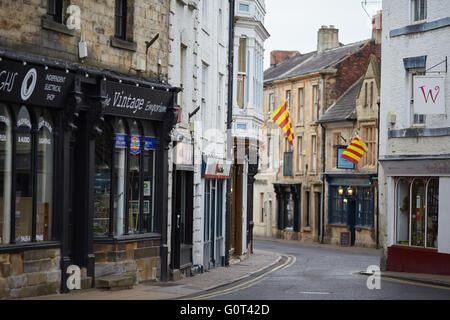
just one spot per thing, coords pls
(150, 143)
(343, 163)
(135, 145)
(121, 141)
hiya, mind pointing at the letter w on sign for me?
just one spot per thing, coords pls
(429, 95)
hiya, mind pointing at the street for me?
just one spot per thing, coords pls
(315, 273)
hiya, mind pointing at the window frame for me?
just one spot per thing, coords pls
(13, 110)
(120, 19)
(301, 103)
(419, 14)
(55, 10)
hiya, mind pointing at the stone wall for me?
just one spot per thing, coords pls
(364, 237)
(30, 273)
(23, 28)
(140, 259)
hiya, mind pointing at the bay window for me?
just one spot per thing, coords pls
(417, 212)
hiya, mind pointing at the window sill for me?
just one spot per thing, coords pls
(18, 247)
(128, 238)
(123, 44)
(55, 26)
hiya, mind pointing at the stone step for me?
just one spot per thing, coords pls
(115, 282)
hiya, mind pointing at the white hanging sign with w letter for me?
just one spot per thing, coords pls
(429, 95)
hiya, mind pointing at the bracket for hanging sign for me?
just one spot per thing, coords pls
(442, 62)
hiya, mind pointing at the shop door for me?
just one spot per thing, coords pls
(81, 209)
(183, 219)
(352, 218)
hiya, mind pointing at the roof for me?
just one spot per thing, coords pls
(344, 107)
(311, 62)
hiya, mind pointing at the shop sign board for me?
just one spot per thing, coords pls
(136, 102)
(429, 95)
(217, 169)
(26, 83)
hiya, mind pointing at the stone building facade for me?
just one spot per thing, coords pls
(310, 83)
(96, 129)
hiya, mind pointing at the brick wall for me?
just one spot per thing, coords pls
(21, 29)
(30, 273)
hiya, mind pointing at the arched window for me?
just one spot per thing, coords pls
(120, 147)
(44, 171)
(134, 169)
(102, 181)
(24, 179)
(5, 174)
(402, 220)
(148, 223)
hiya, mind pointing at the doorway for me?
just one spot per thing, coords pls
(351, 210)
(182, 217)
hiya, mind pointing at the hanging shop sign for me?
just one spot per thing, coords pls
(135, 145)
(429, 95)
(25, 83)
(136, 102)
(216, 169)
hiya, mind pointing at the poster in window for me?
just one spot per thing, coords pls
(341, 162)
(146, 206)
(147, 188)
(135, 206)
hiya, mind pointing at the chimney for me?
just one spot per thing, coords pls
(327, 38)
(278, 56)
(377, 27)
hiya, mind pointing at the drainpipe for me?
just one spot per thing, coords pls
(322, 166)
(229, 127)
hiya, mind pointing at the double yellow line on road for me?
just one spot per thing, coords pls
(288, 263)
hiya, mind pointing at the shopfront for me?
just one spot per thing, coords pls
(288, 210)
(215, 173)
(83, 169)
(418, 215)
(351, 207)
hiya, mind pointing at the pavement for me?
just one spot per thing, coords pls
(208, 280)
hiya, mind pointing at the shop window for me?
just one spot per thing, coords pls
(102, 181)
(417, 208)
(289, 213)
(365, 207)
(5, 174)
(432, 213)
(338, 205)
(44, 171)
(23, 176)
(124, 181)
(120, 145)
(403, 212)
(26, 156)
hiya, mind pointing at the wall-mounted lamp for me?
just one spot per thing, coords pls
(341, 191)
(350, 191)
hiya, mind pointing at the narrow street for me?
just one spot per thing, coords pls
(317, 273)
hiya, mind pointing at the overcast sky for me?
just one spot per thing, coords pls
(293, 24)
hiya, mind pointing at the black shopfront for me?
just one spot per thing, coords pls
(83, 165)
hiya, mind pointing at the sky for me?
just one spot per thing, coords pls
(293, 24)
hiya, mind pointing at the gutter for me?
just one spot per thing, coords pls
(230, 149)
(322, 166)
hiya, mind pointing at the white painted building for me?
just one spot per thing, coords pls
(414, 177)
(198, 63)
(248, 117)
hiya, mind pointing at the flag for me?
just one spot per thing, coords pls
(281, 118)
(355, 151)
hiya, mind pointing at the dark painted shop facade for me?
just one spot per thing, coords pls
(83, 175)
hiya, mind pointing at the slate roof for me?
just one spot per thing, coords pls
(310, 62)
(344, 107)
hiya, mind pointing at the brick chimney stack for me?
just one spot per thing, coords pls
(327, 38)
(278, 56)
(377, 28)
